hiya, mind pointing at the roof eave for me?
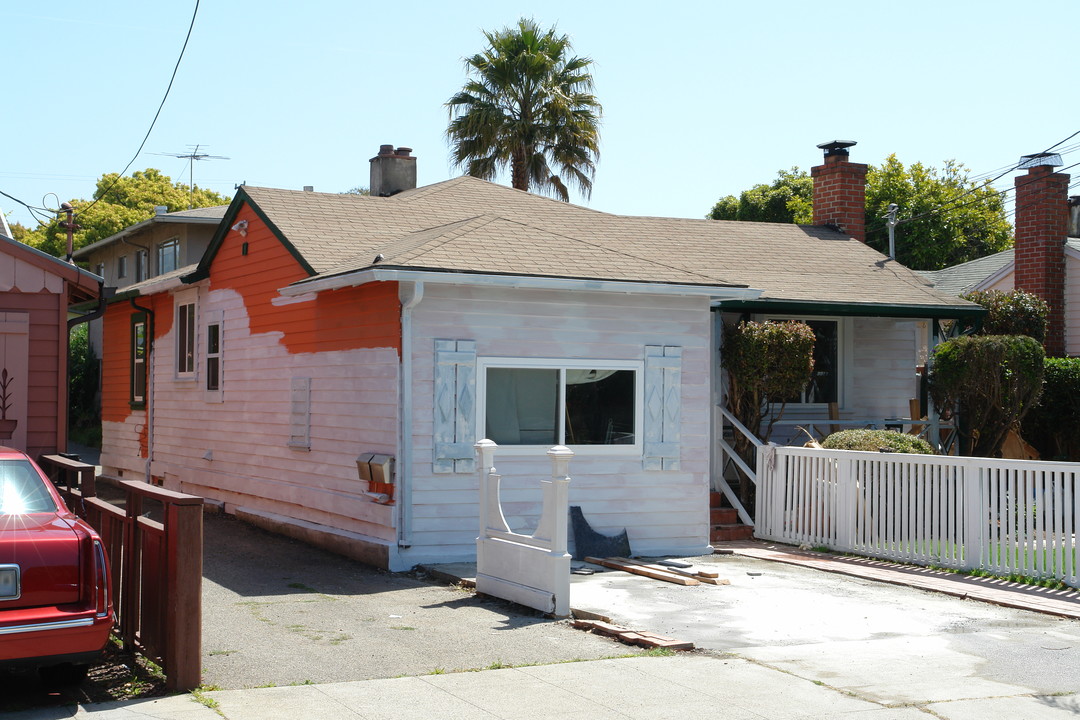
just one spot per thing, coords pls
(889, 310)
(715, 293)
(84, 252)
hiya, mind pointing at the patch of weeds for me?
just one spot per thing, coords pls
(301, 682)
(302, 586)
(658, 652)
(498, 665)
(821, 549)
(200, 696)
(212, 653)
(402, 627)
(437, 671)
(266, 685)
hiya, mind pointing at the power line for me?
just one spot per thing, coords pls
(153, 122)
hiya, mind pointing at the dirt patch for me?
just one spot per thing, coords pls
(118, 676)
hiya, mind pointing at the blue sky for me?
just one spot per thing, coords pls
(701, 99)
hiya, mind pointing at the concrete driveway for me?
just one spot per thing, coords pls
(279, 612)
(883, 643)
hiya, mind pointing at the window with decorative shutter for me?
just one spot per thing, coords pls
(455, 406)
(663, 406)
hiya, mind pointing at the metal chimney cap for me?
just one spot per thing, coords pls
(836, 147)
(1039, 159)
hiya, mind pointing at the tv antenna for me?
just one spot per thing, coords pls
(192, 155)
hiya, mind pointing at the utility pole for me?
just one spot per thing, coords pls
(71, 227)
(891, 215)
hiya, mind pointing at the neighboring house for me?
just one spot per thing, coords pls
(160, 245)
(36, 291)
(319, 329)
(1045, 259)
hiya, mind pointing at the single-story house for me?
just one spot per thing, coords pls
(1045, 257)
(36, 291)
(320, 329)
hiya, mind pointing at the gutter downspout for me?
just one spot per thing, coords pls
(149, 384)
(409, 300)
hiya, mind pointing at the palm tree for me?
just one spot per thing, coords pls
(528, 104)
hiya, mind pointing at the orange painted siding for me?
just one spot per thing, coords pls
(116, 351)
(362, 317)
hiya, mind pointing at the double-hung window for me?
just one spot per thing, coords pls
(550, 402)
(138, 360)
(168, 256)
(826, 383)
(213, 355)
(140, 265)
(185, 338)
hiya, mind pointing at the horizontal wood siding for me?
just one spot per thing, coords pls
(46, 342)
(662, 511)
(234, 446)
(884, 353)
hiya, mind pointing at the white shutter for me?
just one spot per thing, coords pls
(455, 406)
(663, 406)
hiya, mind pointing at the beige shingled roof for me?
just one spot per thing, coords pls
(472, 226)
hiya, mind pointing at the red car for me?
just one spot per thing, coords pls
(55, 601)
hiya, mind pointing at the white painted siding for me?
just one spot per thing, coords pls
(883, 372)
(662, 511)
(353, 410)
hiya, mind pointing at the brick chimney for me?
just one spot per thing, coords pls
(1042, 224)
(392, 171)
(840, 190)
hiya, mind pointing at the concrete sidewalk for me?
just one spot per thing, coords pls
(818, 646)
(650, 688)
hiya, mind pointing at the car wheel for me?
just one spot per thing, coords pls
(63, 675)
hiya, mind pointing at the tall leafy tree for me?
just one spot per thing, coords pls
(789, 199)
(528, 103)
(117, 204)
(945, 217)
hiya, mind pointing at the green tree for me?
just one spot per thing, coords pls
(990, 382)
(117, 204)
(945, 217)
(1016, 312)
(789, 199)
(767, 363)
(528, 104)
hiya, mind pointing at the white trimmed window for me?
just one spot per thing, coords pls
(168, 256)
(590, 404)
(185, 336)
(213, 336)
(830, 360)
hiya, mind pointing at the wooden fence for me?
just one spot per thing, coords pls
(1001, 516)
(153, 538)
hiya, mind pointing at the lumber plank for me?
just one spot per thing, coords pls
(710, 578)
(630, 567)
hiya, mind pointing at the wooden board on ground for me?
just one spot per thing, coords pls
(637, 569)
(706, 576)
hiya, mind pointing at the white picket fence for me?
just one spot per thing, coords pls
(1001, 516)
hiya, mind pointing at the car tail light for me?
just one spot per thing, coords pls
(101, 580)
(9, 582)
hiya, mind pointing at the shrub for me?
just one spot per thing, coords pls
(990, 382)
(875, 440)
(1053, 425)
(767, 362)
(1012, 313)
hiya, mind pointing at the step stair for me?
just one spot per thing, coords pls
(724, 521)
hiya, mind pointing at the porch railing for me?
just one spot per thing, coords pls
(1000, 516)
(156, 563)
(729, 454)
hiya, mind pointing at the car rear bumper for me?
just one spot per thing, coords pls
(50, 633)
